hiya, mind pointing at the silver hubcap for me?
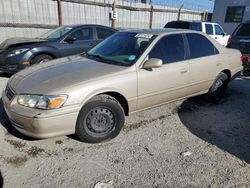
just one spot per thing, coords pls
(43, 61)
(99, 121)
(217, 85)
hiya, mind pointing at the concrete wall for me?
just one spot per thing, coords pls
(18, 17)
(220, 9)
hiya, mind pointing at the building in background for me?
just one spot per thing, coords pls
(229, 14)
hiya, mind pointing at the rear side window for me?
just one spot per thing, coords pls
(104, 33)
(169, 49)
(200, 46)
(243, 30)
(196, 26)
(218, 30)
(209, 29)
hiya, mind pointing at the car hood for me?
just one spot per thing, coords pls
(18, 41)
(60, 74)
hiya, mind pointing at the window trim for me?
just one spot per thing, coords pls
(189, 50)
(226, 15)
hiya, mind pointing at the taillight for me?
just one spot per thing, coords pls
(229, 42)
(245, 58)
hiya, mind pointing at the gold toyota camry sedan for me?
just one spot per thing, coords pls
(90, 94)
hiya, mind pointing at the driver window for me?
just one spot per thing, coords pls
(169, 49)
(82, 34)
(218, 30)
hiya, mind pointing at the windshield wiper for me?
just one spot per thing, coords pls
(96, 56)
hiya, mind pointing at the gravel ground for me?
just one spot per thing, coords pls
(189, 143)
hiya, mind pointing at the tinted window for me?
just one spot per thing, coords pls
(209, 29)
(56, 33)
(196, 26)
(234, 14)
(103, 33)
(178, 25)
(200, 46)
(83, 34)
(122, 48)
(243, 31)
(218, 30)
(170, 49)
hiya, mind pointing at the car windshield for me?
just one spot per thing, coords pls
(56, 33)
(122, 48)
(243, 31)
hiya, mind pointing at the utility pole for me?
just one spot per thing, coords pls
(59, 8)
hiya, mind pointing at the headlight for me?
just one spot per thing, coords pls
(17, 52)
(41, 101)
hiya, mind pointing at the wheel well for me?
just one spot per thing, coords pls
(228, 73)
(43, 53)
(121, 99)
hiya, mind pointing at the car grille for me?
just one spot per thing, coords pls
(10, 94)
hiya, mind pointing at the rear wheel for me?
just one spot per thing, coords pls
(101, 119)
(218, 89)
(39, 59)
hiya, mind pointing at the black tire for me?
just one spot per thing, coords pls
(218, 89)
(41, 59)
(101, 119)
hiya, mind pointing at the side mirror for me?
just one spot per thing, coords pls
(223, 34)
(70, 39)
(153, 63)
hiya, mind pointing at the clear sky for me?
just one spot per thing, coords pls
(201, 5)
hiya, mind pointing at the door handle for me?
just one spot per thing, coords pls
(183, 71)
(218, 64)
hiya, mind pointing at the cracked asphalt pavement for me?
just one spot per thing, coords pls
(189, 143)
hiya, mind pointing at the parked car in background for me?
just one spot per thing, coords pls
(132, 70)
(212, 29)
(240, 38)
(19, 53)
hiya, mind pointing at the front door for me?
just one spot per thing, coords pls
(168, 82)
(83, 41)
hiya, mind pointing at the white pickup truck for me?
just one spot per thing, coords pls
(212, 29)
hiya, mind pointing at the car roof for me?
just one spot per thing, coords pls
(155, 31)
(193, 21)
(91, 25)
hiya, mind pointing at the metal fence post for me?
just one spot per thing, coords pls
(113, 20)
(179, 12)
(151, 17)
(59, 8)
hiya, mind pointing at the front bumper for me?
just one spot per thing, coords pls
(41, 123)
(15, 63)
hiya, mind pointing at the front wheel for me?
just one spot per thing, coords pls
(218, 89)
(101, 119)
(42, 58)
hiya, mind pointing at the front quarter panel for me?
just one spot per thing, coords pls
(124, 83)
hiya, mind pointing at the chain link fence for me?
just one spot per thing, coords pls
(31, 18)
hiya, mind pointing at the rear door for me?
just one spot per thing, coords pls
(168, 82)
(204, 63)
